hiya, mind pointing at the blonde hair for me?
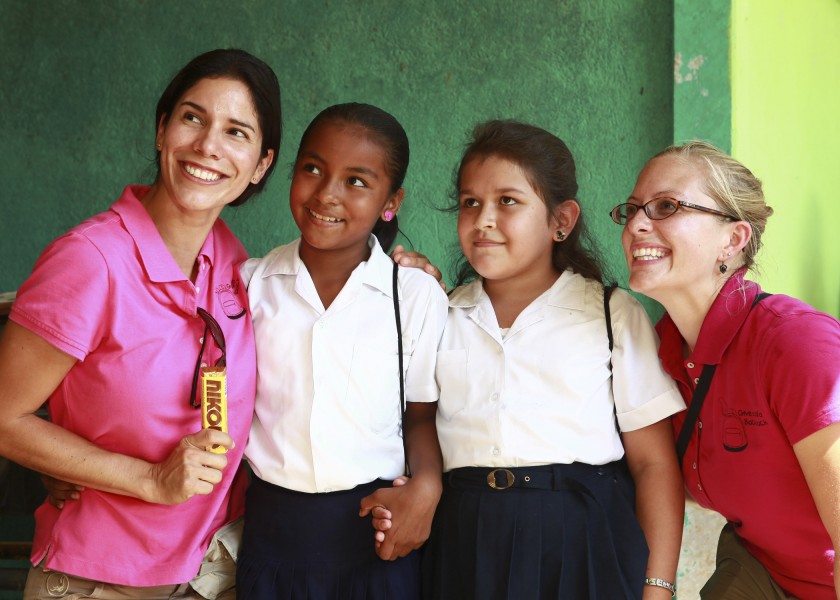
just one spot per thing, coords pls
(732, 186)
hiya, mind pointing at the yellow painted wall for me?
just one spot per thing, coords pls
(785, 76)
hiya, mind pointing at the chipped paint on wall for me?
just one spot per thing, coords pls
(693, 68)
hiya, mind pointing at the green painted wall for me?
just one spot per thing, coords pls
(702, 106)
(786, 129)
(79, 81)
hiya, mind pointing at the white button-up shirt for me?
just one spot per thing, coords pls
(327, 413)
(542, 394)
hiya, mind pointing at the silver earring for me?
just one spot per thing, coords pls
(559, 236)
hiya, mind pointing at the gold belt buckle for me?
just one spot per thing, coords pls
(491, 479)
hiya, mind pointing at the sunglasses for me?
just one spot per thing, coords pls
(210, 326)
(659, 209)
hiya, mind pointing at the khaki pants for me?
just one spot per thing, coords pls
(215, 580)
(738, 574)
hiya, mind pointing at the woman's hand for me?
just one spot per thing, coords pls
(189, 469)
(406, 258)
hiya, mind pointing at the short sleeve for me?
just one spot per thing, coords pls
(247, 268)
(644, 393)
(65, 299)
(428, 312)
(799, 361)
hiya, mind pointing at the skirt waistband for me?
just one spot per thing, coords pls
(541, 477)
(271, 488)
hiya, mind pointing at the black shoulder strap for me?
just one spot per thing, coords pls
(699, 396)
(400, 363)
(608, 290)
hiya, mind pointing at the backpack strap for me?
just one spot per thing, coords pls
(395, 280)
(699, 396)
(608, 290)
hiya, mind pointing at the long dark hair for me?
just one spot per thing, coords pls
(549, 166)
(260, 80)
(385, 130)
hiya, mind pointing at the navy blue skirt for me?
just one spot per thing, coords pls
(300, 546)
(554, 531)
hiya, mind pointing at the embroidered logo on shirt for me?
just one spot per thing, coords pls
(734, 433)
(227, 294)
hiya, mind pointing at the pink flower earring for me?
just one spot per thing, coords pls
(388, 216)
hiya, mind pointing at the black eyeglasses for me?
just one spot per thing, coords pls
(212, 326)
(658, 209)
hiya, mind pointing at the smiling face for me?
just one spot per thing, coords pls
(209, 148)
(340, 188)
(503, 224)
(681, 254)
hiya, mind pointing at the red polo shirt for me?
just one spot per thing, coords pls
(777, 382)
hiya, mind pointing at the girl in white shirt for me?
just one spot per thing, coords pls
(328, 428)
(537, 501)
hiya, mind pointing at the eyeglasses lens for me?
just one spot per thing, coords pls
(661, 208)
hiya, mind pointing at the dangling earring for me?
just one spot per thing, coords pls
(388, 216)
(559, 236)
(723, 266)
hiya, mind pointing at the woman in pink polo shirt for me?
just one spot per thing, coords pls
(112, 328)
(764, 449)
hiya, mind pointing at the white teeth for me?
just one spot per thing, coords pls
(648, 253)
(324, 218)
(201, 173)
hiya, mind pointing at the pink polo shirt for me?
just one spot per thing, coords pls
(110, 294)
(777, 382)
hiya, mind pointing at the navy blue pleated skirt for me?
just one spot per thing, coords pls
(299, 546)
(559, 531)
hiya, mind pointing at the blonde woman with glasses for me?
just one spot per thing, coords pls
(760, 375)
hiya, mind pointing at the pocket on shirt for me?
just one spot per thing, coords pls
(451, 376)
(375, 375)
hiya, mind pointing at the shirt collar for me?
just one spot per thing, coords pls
(156, 258)
(568, 291)
(376, 271)
(722, 323)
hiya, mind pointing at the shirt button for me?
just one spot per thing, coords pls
(204, 364)
(690, 365)
(197, 289)
(699, 424)
(696, 380)
(494, 397)
(694, 466)
(496, 452)
(700, 487)
(201, 340)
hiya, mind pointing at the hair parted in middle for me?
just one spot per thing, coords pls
(256, 75)
(549, 167)
(383, 129)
